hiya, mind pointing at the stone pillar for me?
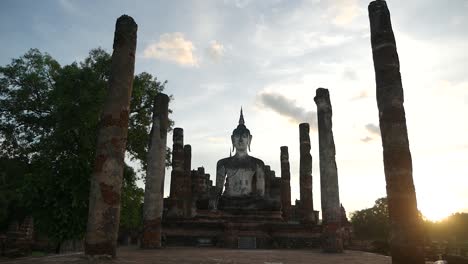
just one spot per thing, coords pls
(330, 197)
(285, 184)
(176, 208)
(106, 180)
(187, 197)
(267, 180)
(305, 175)
(155, 172)
(406, 239)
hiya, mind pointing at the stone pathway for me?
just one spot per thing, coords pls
(214, 256)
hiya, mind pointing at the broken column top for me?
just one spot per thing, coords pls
(201, 170)
(125, 31)
(322, 97)
(304, 133)
(381, 25)
(304, 126)
(284, 153)
(377, 4)
(178, 136)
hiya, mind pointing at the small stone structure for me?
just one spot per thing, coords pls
(19, 238)
(406, 239)
(331, 208)
(106, 180)
(155, 172)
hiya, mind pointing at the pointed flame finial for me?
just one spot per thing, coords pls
(241, 118)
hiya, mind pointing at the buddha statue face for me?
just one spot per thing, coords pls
(241, 142)
(241, 136)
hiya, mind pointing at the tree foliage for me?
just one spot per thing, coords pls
(49, 116)
(372, 223)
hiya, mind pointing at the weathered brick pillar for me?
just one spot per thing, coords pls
(187, 197)
(406, 240)
(330, 197)
(176, 207)
(106, 180)
(155, 172)
(305, 175)
(285, 184)
(267, 179)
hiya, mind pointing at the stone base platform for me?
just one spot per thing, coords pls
(240, 229)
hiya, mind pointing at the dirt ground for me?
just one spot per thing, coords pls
(213, 256)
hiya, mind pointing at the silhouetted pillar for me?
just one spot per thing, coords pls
(155, 172)
(406, 240)
(187, 197)
(305, 175)
(106, 180)
(285, 184)
(176, 208)
(330, 197)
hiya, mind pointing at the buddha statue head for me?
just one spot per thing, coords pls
(241, 136)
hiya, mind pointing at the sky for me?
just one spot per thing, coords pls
(268, 57)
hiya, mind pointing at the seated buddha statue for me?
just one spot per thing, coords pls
(241, 175)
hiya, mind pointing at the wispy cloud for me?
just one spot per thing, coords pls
(69, 7)
(362, 95)
(287, 108)
(238, 3)
(345, 11)
(215, 51)
(373, 129)
(172, 47)
(350, 74)
(374, 132)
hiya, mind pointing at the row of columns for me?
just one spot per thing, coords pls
(106, 180)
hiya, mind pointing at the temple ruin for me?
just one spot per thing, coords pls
(248, 206)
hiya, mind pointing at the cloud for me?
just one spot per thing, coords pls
(215, 50)
(362, 95)
(374, 131)
(68, 6)
(350, 74)
(238, 3)
(172, 47)
(288, 108)
(345, 11)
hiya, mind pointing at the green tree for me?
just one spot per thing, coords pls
(372, 223)
(48, 120)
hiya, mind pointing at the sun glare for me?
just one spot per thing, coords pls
(437, 208)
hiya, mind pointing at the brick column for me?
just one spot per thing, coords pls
(406, 239)
(106, 180)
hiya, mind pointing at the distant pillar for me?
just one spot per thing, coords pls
(267, 176)
(406, 239)
(155, 172)
(187, 199)
(176, 208)
(285, 184)
(106, 180)
(330, 197)
(305, 175)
